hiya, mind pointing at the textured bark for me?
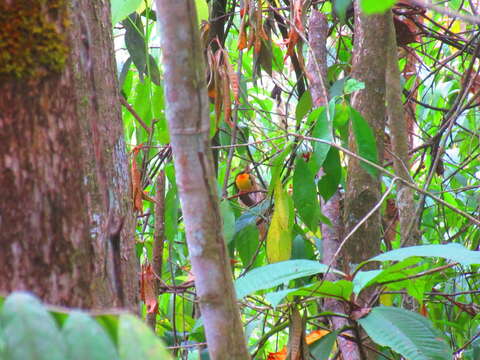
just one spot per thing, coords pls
(363, 190)
(331, 235)
(64, 179)
(399, 137)
(317, 61)
(187, 111)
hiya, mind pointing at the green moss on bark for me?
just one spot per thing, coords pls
(32, 37)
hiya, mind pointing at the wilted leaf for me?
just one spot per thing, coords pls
(147, 285)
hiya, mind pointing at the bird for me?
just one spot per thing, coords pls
(247, 189)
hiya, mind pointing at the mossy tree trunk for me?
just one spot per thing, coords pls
(64, 179)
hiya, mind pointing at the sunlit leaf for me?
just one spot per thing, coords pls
(271, 275)
(279, 237)
(453, 252)
(122, 8)
(375, 6)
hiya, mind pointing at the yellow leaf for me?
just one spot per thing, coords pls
(279, 237)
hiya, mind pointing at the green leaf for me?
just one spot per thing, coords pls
(135, 41)
(332, 168)
(202, 10)
(396, 271)
(340, 7)
(352, 85)
(341, 289)
(302, 248)
(453, 252)
(304, 106)
(153, 71)
(246, 242)
(137, 341)
(279, 236)
(322, 130)
(110, 324)
(86, 339)
(375, 6)
(278, 273)
(322, 348)
(228, 218)
(29, 331)
(124, 73)
(305, 195)
(277, 166)
(407, 333)
(122, 8)
(365, 141)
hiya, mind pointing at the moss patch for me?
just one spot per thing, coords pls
(32, 37)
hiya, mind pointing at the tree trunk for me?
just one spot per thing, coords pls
(331, 234)
(187, 111)
(399, 135)
(363, 190)
(64, 179)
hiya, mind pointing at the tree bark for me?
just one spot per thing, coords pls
(187, 111)
(399, 137)
(363, 190)
(64, 179)
(331, 235)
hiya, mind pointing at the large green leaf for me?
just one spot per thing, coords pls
(29, 331)
(305, 194)
(453, 252)
(271, 275)
(407, 333)
(376, 6)
(399, 270)
(86, 339)
(121, 9)
(365, 141)
(137, 341)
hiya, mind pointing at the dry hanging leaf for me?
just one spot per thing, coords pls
(147, 289)
(295, 28)
(137, 192)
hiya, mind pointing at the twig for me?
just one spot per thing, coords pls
(135, 115)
